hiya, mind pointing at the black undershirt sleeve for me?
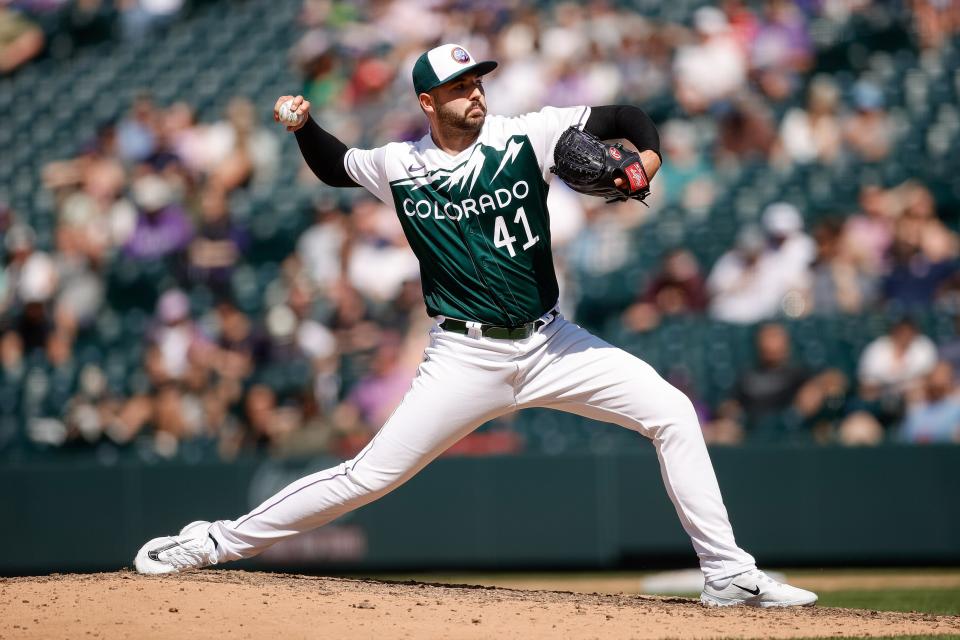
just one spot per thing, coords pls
(324, 154)
(624, 121)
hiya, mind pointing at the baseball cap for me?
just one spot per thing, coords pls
(173, 306)
(782, 219)
(710, 21)
(443, 64)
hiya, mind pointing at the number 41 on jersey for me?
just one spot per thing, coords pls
(502, 237)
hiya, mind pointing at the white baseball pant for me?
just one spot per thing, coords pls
(465, 381)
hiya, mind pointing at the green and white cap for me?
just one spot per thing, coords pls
(443, 64)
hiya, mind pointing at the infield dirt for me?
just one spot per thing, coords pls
(239, 604)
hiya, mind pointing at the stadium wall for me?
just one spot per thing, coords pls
(888, 505)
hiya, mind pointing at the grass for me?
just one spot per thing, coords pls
(941, 601)
(948, 637)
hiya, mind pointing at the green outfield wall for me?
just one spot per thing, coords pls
(889, 505)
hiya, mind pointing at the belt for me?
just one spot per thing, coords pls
(501, 333)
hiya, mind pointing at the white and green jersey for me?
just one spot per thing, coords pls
(477, 221)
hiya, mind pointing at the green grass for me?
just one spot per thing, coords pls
(942, 601)
(949, 637)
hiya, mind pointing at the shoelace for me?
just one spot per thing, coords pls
(189, 553)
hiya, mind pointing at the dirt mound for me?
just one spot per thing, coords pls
(261, 605)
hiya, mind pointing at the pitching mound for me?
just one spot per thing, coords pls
(256, 605)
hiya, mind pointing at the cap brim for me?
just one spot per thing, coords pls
(481, 68)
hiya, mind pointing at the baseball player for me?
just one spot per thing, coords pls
(471, 197)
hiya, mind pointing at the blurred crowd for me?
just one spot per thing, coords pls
(338, 329)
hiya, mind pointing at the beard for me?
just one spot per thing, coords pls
(449, 117)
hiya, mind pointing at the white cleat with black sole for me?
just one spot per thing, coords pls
(754, 588)
(192, 548)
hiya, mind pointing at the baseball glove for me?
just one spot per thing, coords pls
(590, 166)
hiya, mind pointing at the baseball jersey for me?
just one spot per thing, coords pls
(477, 221)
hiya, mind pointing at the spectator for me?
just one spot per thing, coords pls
(322, 248)
(88, 192)
(20, 40)
(92, 408)
(380, 260)
(747, 133)
(644, 60)
(269, 424)
(790, 249)
(162, 229)
(743, 288)
(218, 244)
(869, 131)
(761, 276)
(89, 21)
(519, 84)
(837, 282)
(316, 59)
(240, 346)
(684, 178)
(935, 416)
(813, 134)
(920, 226)
(18, 242)
(712, 69)
(913, 279)
(351, 320)
(175, 340)
(377, 394)
(329, 311)
(300, 350)
(184, 138)
(31, 282)
(743, 23)
(935, 21)
(677, 288)
(237, 150)
(869, 234)
(137, 132)
(778, 394)
(140, 17)
(781, 50)
(81, 289)
(895, 364)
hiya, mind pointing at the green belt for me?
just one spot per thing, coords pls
(501, 333)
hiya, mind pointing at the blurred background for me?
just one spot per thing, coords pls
(189, 319)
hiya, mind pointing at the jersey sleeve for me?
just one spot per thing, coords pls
(368, 168)
(544, 127)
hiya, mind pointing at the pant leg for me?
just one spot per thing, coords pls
(456, 390)
(574, 371)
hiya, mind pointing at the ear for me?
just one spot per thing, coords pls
(426, 103)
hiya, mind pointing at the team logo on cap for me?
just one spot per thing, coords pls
(460, 55)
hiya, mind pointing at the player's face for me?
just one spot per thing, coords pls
(461, 104)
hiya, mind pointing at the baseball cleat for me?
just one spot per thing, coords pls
(192, 548)
(754, 588)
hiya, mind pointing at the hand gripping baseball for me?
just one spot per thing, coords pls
(291, 111)
(595, 168)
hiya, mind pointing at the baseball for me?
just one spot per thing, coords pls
(288, 116)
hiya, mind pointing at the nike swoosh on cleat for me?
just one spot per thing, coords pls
(754, 592)
(154, 554)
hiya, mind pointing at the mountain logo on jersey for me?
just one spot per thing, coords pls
(513, 148)
(467, 171)
(464, 177)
